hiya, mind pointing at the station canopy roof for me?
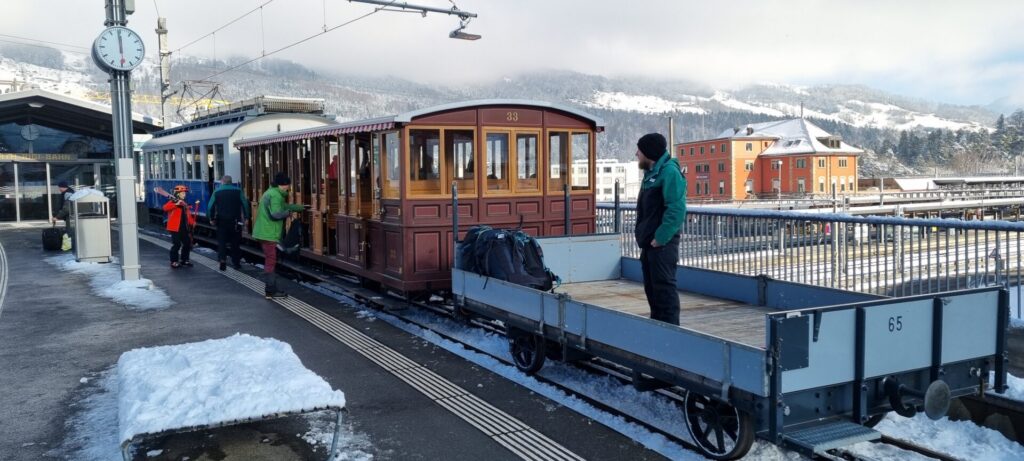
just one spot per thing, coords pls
(66, 113)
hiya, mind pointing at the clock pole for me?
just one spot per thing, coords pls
(121, 105)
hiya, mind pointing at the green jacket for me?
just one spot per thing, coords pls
(661, 207)
(268, 229)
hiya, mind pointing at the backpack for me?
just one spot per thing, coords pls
(514, 256)
(291, 241)
(467, 248)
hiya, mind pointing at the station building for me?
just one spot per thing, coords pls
(792, 158)
(46, 138)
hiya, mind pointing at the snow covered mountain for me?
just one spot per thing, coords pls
(872, 113)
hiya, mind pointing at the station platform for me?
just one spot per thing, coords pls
(60, 341)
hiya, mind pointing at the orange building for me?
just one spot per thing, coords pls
(759, 160)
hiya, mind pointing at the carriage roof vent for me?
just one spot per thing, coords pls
(750, 131)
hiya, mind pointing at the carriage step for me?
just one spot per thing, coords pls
(824, 437)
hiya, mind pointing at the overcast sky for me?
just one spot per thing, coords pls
(965, 52)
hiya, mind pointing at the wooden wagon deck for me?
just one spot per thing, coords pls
(724, 318)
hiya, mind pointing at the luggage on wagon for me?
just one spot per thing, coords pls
(506, 254)
(52, 237)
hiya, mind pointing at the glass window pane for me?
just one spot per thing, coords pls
(218, 159)
(497, 161)
(32, 189)
(459, 159)
(526, 162)
(391, 163)
(197, 163)
(173, 154)
(581, 156)
(424, 161)
(558, 151)
(353, 168)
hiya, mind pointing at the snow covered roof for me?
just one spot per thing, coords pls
(93, 195)
(211, 383)
(793, 136)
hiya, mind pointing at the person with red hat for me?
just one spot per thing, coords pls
(180, 221)
(660, 212)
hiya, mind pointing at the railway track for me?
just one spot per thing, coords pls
(397, 307)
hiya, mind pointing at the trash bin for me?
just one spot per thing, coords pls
(90, 222)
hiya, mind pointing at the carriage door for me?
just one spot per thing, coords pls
(360, 202)
(374, 229)
(317, 213)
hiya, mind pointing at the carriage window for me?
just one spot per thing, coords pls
(496, 167)
(581, 156)
(391, 163)
(218, 160)
(424, 161)
(173, 155)
(458, 159)
(558, 151)
(197, 163)
(186, 158)
(526, 162)
(353, 168)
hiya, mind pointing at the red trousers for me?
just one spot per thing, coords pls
(269, 256)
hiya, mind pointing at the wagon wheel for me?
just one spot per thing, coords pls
(527, 350)
(719, 429)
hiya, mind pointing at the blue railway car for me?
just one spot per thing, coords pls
(199, 153)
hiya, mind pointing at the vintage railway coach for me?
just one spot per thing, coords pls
(380, 190)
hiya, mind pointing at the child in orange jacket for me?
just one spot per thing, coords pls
(180, 221)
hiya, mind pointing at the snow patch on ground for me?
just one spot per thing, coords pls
(644, 104)
(961, 439)
(240, 377)
(91, 432)
(105, 280)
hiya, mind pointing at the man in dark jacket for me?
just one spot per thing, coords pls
(64, 213)
(660, 212)
(65, 203)
(228, 210)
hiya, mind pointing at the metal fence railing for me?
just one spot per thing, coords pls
(890, 256)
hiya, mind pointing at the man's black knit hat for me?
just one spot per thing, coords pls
(652, 145)
(282, 179)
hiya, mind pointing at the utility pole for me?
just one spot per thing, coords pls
(165, 69)
(121, 109)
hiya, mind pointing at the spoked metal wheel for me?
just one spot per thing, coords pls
(719, 429)
(527, 350)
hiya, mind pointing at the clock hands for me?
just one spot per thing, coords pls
(120, 46)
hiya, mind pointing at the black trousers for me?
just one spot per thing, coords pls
(659, 270)
(181, 243)
(229, 233)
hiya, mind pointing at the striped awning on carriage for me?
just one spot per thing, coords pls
(361, 126)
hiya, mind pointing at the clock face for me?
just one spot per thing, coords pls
(30, 132)
(118, 48)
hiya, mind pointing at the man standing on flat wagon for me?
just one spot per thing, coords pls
(660, 212)
(270, 215)
(228, 211)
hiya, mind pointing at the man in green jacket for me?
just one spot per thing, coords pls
(660, 212)
(270, 216)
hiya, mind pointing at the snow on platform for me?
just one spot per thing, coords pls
(214, 383)
(105, 280)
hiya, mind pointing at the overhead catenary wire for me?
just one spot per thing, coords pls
(258, 8)
(306, 39)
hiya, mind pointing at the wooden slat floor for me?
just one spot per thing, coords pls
(726, 319)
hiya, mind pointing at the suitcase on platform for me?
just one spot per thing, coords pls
(52, 237)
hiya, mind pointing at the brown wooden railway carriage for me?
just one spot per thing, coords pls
(380, 189)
